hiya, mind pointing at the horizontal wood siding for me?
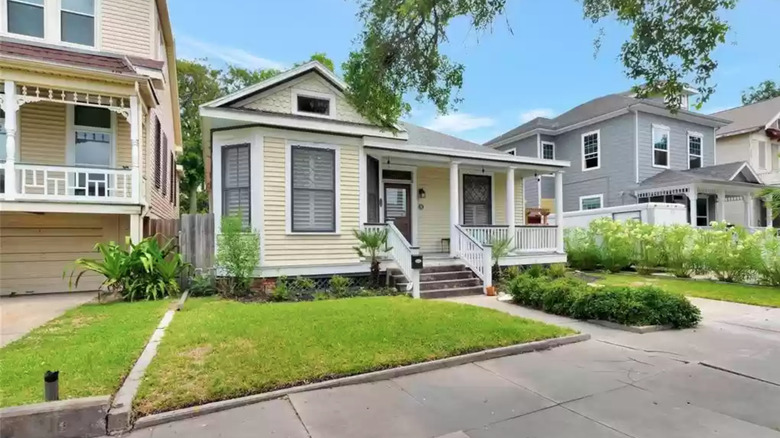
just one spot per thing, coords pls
(35, 249)
(435, 217)
(281, 249)
(126, 27)
(42, 133)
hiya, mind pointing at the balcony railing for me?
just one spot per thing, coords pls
(527, 238)
(39, 182)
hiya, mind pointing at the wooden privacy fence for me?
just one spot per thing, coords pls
(196, 240)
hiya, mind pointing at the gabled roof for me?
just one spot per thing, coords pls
(749, 118)
(719, 173)
(423, 136)
(599, 107)
(293, 73)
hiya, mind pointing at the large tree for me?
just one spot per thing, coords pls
(399, 51)
(200, 83)
(764, 91)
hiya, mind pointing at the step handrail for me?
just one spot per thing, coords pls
(476, 256)
(401, 251)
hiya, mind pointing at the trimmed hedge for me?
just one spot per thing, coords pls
(635, 306)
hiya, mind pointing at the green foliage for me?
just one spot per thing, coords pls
(281, 291)
(626, 305)
(399, 49)
(649, 241)
(371, 245)
(614, 242)
(681, 254)
(728, 252)
(534, 271)
(238, 254)
(339, 286)
(557, 270)
(771, 196)
(136, 271)
(500, 248)
(203, 286)
(764, 91)
(581, 250)
(767, 256)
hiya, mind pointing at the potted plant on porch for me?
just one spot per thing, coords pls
(499, 248)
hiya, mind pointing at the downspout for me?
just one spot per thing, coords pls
(636, 144)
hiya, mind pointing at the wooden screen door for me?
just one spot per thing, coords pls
(398, 207)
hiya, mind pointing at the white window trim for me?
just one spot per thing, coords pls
(58, 23)
(668, 145)
(598, 152)
(52, 25)
(700, 136)
(2, 143)
(553, 149)
(767, 155)
(70, 131)
(600, 197)
(706, 211)
(492, 176)
(288, 184)
(329, 97)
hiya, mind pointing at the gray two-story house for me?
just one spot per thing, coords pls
(626, 150)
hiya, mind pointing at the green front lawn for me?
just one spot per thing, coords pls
(738, 293)
(217, 349)
(93, 346)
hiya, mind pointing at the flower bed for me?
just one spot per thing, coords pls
(632, 306)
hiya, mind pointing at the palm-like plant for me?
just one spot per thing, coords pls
(113, 267)
(372, 242)
(500, 247)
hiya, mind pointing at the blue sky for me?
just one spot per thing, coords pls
(543, 67)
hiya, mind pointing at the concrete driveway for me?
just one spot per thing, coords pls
(721, 379)
(19, 315)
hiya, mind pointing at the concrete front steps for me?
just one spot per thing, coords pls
(442, 281)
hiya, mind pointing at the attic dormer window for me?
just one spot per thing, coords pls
(315, 104)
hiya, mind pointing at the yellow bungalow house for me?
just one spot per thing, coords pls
(305, 170)
(89, 131)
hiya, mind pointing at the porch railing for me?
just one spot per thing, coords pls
(486, 234)
(401, 252)
(536, 238)
(74, 184)
(476, 255)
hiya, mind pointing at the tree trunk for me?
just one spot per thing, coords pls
(194, 200)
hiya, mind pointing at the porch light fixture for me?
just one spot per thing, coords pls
(421, 193)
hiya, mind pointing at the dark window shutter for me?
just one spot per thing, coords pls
(236, 182)
(164, 166)
(372, 173)
(157, 152)
(173, 175)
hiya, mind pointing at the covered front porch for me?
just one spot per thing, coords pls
(453, 209)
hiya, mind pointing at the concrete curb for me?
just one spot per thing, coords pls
(181, 414)
(641, 329)
(182, 299)
(120, 414)
(74, 418)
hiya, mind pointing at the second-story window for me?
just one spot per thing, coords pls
(25, 17)
(591, 150)
(548, 150)
(694, 151)
(77, 22)
(660, 146)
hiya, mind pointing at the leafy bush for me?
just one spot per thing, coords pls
(623, 305)
(728, 252)
(203, 286)
(137, 271)
(535, 271)
(649, 241)
(238, 254)
(581, 250)
(339, 286)
(281, 291)
(557, 270)
(615, 245)
(767, 256)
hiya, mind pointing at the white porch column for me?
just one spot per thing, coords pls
(11, 108)
(693, 195)
(510, 205)
(720, 206)
(136, 232)
(559, 211)
(769, 218)
(749, 209)
(135, 127)
(454, 206)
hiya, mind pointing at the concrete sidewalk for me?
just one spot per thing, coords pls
(618, 384)
(19, 315)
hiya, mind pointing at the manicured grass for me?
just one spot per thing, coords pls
(93, 346)
(217, 349)
(738, 293)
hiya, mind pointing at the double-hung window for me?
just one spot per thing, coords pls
(93, 147)
(590, 202)
(477, 200)
(694, 150)
(548, 150)
(313, 189)
(236, 182)
(26, 17)
(660, 146)
(591, 150)
(164, 167)
(77, 22)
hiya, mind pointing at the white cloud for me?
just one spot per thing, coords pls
(459, 122)
(534, 113)
(196, 48)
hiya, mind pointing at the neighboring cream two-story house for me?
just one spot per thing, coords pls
(627, 150)
(753, 136)
(89, 132)
(305, 170)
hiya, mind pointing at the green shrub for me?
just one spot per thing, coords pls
(615, 246)
(203, 286)
(238, 254)
(729, 253)
(649, 241)
(534, 271)
(281, 290)
(143, 270)
(623, 305)
(557, 270)
(372, 243)
(339, 286)
(680, 251)
(581, 250)
(767, 257)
